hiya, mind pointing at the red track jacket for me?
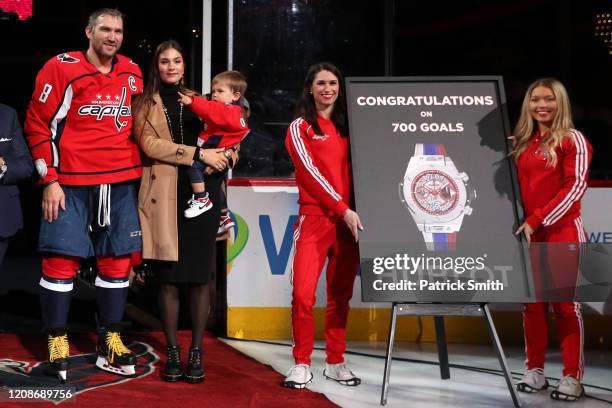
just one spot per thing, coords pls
(322, 168)
(80, 121)
(551, 195)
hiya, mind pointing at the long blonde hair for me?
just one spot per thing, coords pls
(561, 125)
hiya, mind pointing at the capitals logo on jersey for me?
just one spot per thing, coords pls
(110, 105)
(67, 58)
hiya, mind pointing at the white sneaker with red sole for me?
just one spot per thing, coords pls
(225, 224)
(198, 206)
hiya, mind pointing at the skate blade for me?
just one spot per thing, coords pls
(298, 386)
(560, 396)
(522, 387)
(126, 370)
(61, 375)
(351, 382)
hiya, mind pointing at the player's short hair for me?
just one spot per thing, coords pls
(234, 79)
(93, 17)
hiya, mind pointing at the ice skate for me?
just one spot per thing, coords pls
(569, 389)
(341, 374)
(533, 381)
(59, 350)
(298, 376)
(113, 356)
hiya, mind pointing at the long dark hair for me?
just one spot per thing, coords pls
(153, 82)
(306, 105)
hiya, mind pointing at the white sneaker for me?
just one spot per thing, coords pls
(341, 374)
(225, 224)
(568, 389)
(533, 381)
(298, 376)
(198, 206)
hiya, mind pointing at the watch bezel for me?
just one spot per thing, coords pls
(407, 199)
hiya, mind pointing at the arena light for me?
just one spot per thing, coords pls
(603, 29)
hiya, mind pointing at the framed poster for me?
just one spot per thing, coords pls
(436, 190)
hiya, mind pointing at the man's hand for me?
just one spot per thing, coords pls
(53, 200)
(353, 222)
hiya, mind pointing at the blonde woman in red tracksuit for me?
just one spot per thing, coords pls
(553, 162)
(327, 228)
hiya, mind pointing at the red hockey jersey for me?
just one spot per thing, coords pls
(322, 168)
(79, 121)
(551, 195)
(225, 126)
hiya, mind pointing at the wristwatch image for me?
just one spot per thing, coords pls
(437, 195)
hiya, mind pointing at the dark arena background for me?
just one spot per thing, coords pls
(273, 42)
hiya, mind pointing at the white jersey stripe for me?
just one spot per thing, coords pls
(577, 307)
(296, 236)
(579, 185)
(59, 116)
(307, 160)
(581, 231)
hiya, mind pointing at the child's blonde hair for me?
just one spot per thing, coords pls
(234, 79)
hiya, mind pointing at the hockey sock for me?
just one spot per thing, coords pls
(111, 295)
(56, 289)
(112, 288)
(199, 195)
(55, 296)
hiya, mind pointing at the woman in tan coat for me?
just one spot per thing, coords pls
(181, 250)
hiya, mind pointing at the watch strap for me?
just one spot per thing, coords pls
(432, 149)
(437, 241)
(440, 241)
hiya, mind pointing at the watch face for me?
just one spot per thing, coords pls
(434, 192)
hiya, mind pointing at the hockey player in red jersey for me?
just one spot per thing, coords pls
(78, 128)
(553, 162)
(327, 228)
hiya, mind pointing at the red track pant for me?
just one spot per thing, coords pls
(570, 327)
(317, 238)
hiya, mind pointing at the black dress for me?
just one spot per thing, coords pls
(196, 236)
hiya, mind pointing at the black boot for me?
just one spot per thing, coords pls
(195, 372)
(172, 370)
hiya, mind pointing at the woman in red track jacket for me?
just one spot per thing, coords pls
(327, 228)
(553, 162)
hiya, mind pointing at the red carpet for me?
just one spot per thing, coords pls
(232, 379)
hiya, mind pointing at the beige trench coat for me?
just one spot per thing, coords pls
(157, 198)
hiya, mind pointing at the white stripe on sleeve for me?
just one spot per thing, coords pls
(298, 143)
(579, 185)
